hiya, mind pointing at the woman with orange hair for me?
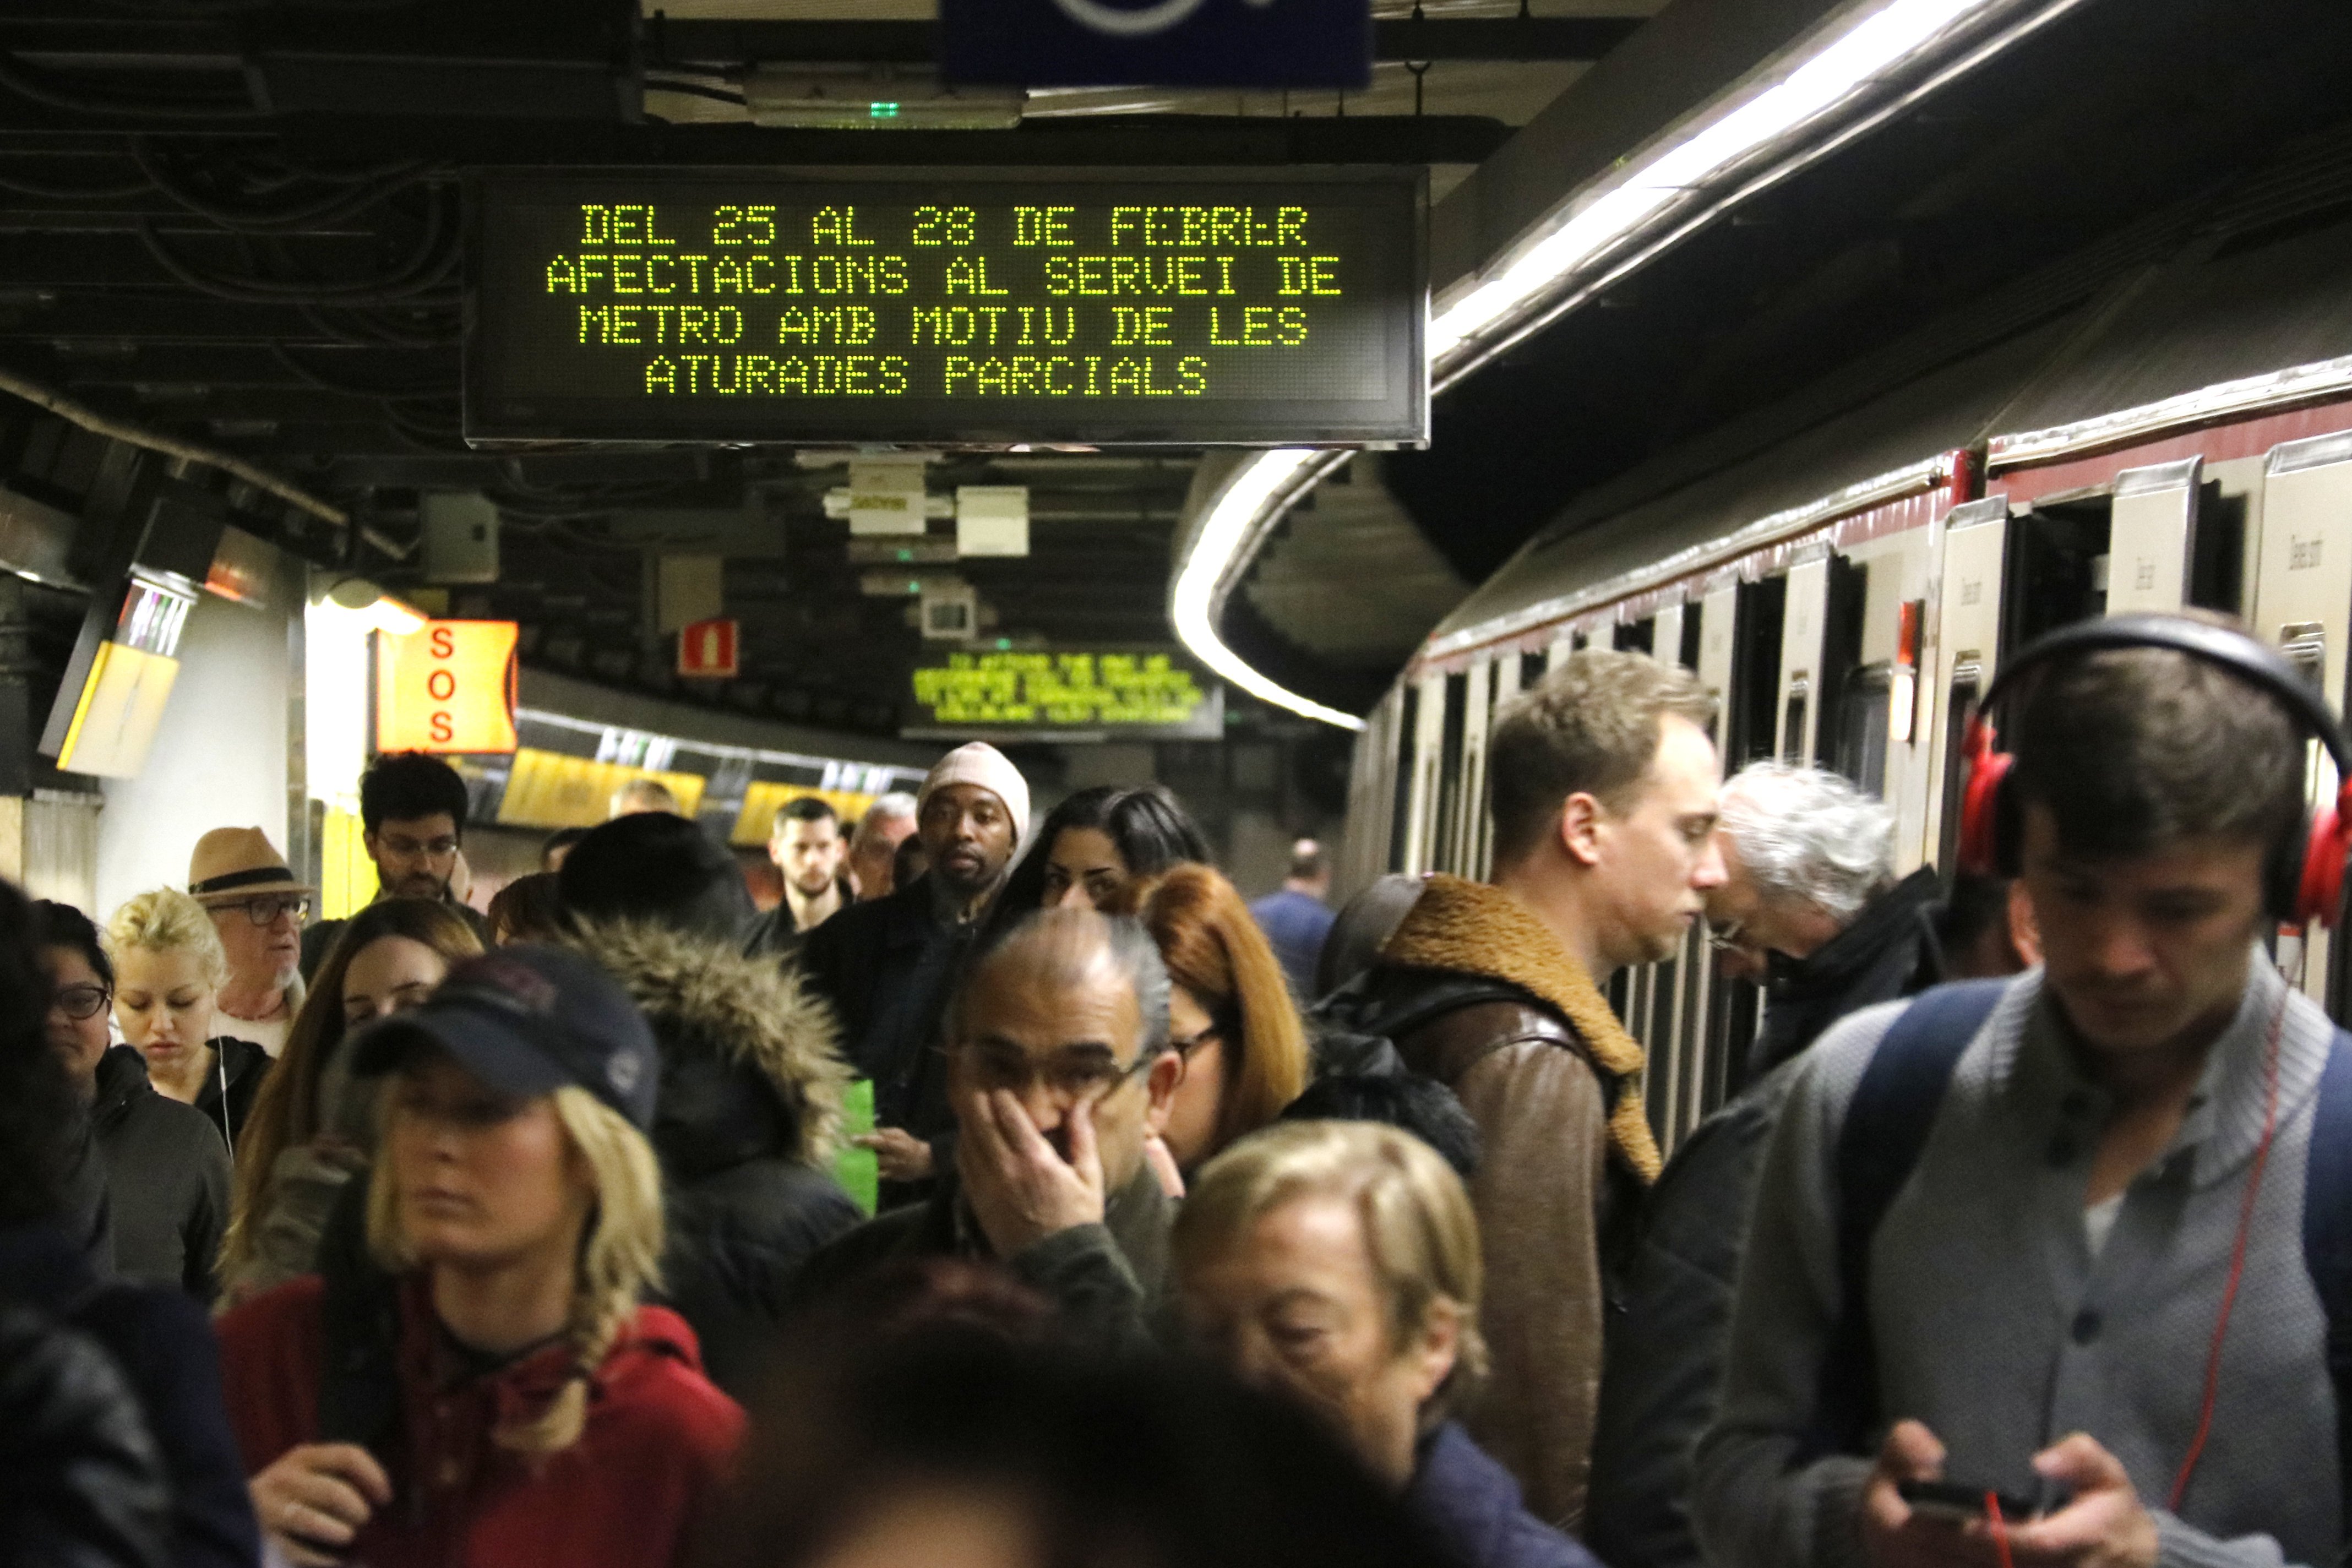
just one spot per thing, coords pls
(1229, 1011)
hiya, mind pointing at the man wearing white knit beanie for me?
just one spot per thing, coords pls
(885, 966)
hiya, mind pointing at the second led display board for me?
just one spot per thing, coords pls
(958, 307)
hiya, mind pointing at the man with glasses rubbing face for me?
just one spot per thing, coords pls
(1058, 1068)
(412, 821)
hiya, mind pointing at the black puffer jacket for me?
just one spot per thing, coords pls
(167, 1177)
(81, 1482)
(1666, 1337)
(748, 1122)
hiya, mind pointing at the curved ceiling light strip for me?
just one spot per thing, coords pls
(1802, 107)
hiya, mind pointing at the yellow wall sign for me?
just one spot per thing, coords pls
(546, 789)
(448, 686)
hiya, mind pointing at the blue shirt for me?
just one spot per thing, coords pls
(1296, 923)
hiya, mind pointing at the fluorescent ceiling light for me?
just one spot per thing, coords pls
(1252, 489)
(1805, 101)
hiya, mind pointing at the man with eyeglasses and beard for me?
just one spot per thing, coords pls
(411, 822)
(1058, 1068)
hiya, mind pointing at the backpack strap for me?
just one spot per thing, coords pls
(2327, 1230)
(1886, 1125)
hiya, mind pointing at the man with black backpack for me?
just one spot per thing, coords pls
(2042, 1271)
(1603, 791)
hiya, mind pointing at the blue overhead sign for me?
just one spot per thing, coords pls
(1157, 43)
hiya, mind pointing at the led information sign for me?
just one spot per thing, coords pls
(1139, 693)
(978, 306)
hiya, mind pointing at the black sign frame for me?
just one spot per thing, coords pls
(1395, 195)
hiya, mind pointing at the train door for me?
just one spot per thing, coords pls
(2303, 602)
(1504, 680)
(1797, 708)
(2152, 537)
(1678, 1075)
(1874, 740)
(1717, 614)
(1967, 649)
(1424, 739)
(1470, 807)
(1405, 720)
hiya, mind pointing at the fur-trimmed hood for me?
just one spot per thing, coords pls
(730, 1027)
(1474, 928)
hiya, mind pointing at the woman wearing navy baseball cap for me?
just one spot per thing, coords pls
(495, 1393)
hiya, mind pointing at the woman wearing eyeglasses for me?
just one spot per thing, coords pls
(167, 1169)
(169, 969)
(1229, 1012)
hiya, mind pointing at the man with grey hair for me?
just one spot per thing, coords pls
(874, 846)
(1059, 1068)
(1810, 905)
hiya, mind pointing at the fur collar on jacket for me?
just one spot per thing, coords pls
(752, 1010)
(1472, 928)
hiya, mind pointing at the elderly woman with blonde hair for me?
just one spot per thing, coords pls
(169, 968)
(498, 1393)
(1336, 1263)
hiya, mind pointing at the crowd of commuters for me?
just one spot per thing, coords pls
(1212, 1232)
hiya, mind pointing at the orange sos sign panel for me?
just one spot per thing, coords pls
(447, 687)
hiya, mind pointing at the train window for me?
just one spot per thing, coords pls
(2217, 571)
(1968, 685)
(1858, 747)
(1533, 666)
(1753, 703)
(2056, 568)
(1401, 812)
(1687, 655)
(1635, 637)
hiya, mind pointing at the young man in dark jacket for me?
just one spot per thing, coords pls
(887, 966)
(1603, 784)
(1059, 1067)
(1810, 900)
(2073, 1260)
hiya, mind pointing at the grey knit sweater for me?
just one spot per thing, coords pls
(1995, 1325)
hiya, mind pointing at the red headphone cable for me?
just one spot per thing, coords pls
(1999, 1527)
(2237, 1262)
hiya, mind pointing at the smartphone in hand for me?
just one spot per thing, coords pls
(1959, 1503)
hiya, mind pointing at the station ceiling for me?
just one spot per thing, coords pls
(237, 225)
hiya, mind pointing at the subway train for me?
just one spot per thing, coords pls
(1847, 572)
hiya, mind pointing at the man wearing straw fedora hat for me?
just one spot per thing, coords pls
(257, 905)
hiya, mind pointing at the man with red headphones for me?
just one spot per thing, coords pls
(2041, 1271)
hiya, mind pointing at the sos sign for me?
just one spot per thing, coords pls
(446, 687)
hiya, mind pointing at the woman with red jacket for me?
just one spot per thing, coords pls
(494, 1395)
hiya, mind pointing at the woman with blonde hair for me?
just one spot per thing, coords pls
(313, 1126)
(501, 1397)
(169, 967)
(1229, 1010)
(1337, 1264)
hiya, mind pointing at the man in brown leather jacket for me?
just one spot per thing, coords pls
(1603, 784)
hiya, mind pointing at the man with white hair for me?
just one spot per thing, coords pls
(874, 846)
(1810, 905)
(886, 965)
